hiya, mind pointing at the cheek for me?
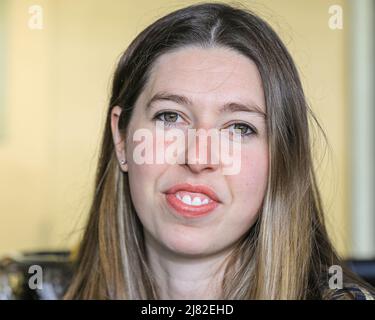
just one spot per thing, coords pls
(143, 177)
(140, 183)
(249, 186)
(254, 168)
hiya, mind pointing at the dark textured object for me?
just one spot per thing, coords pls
(15, 275)
(364, 268)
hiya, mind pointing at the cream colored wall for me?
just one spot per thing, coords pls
(58, 81)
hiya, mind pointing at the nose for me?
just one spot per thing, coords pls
(202, 151)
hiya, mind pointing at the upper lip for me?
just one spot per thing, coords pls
(194, 188)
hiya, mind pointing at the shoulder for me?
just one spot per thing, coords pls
(351, 291)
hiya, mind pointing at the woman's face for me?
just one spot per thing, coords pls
(161, 192)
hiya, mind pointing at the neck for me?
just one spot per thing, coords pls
(184, 277)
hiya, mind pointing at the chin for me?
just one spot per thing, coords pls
(187, 245)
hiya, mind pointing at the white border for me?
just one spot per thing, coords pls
(362, 41)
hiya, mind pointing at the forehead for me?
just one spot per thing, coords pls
(207, 75)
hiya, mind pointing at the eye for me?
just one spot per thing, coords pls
(169, 118)
(243, 129)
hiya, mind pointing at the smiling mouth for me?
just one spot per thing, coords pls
(192, 201)
(192, 198)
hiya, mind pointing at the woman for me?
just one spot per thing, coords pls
(255, 234)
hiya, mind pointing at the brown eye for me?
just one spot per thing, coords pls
(243, 129)
(170, 116)
(167, 116)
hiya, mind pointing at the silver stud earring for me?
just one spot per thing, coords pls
(123, 162)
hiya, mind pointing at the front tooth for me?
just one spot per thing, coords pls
(186, 199)
(205, 201)
(178, 196)
(197, 201)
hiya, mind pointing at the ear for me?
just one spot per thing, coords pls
(118, 139)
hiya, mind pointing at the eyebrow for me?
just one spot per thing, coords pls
(226, 108)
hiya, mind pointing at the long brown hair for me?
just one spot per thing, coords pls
(287, 253)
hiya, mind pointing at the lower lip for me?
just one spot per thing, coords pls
(190, 211)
